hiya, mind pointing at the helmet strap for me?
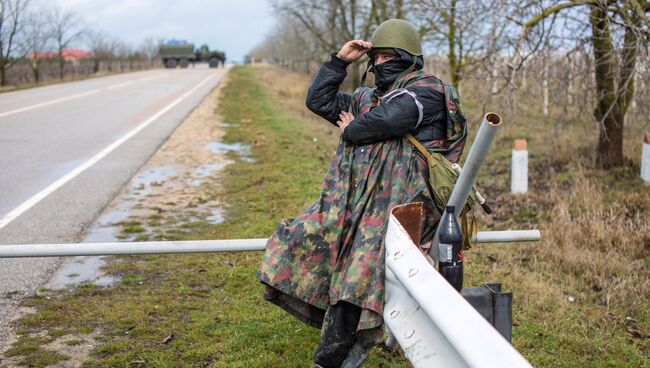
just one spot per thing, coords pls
(365, 74)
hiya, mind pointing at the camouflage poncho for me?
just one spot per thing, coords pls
(334, 250)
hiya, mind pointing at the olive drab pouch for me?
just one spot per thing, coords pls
(442, 178)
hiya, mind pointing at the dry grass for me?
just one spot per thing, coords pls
(595, 228)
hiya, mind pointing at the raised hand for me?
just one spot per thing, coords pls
(353, 50)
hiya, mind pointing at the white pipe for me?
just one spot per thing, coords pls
(508, 236)
(475, 158)
(645, 159)
(193, 246)
(519, 167)
(97, 249)
(469, 174)
(455, 335)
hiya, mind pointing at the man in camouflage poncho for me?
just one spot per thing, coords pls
(326, 267)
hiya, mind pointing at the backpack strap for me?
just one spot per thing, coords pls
(422, 149)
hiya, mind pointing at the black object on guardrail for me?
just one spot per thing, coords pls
(494, 305)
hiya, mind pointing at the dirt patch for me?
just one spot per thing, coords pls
(170, 189)
(173, 190)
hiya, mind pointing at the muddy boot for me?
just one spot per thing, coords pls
(338, 335)
(356, 356)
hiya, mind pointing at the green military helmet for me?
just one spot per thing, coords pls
(397, 34)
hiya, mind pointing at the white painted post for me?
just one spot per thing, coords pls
(545, 89)
(519, 172)
(645, 159)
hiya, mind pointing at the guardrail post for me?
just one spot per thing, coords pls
(519, 172)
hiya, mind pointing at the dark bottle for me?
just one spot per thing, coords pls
(450, 251)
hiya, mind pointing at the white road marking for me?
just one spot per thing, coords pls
(31, 202)
(48, 103)
(152, 77)
(120, 85)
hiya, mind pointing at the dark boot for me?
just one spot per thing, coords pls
(338, 334)
(357, 355)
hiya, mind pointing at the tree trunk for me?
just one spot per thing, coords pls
(454, 67)
(610, 145)
(3, 75)
(36, 71)
(61, 67)
(609, 152)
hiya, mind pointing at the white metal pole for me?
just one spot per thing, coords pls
(508, 236)
(645, 159)
(197, 246)
(102, 249)
(475, 158)
(519, 170)
(469, 174)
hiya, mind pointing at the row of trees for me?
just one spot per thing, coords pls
(597, 47)
(34, 40)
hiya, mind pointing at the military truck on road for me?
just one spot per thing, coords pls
(181, 53)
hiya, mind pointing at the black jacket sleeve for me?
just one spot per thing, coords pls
(421, 109)
(323, 97)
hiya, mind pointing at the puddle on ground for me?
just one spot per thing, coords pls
(208, 169)
(229, 125)
(81, 270)
(154, 176)
(244, 151)
(217, 216)
(204, 171)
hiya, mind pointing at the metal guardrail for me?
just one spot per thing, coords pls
(433, 323)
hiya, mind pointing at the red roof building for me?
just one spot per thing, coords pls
(68, 55)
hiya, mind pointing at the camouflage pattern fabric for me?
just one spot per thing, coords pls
(334, 250)
(452, 146)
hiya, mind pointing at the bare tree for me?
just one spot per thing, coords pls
(35, 42)
(625, 21)
(150, 47)
(66, 28)
(467, 30)
(11, 23)
(333, 22)
(99, 44)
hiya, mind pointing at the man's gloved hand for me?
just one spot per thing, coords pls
(353, 50)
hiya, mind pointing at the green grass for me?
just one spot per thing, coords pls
(212, 305)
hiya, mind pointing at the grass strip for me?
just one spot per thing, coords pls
(207, 310)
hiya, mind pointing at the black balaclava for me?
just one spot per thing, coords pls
(386, 73)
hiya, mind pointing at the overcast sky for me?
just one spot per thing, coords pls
(234, 26)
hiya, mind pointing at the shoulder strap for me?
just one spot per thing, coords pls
(422, 149)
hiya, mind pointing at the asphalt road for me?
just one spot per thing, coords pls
(67, 149)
